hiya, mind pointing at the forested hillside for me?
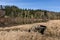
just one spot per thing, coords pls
(14, 11)
(23, 16)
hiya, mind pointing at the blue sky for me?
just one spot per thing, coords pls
(51, 5)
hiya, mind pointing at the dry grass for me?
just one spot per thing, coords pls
(20, 32)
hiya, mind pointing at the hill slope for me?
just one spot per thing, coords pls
(20, 32)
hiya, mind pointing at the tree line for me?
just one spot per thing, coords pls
(32, 15)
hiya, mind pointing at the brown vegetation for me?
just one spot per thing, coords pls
(13, 15)
(26, 16)
(20, 32)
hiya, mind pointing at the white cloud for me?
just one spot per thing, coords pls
(2, 2)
